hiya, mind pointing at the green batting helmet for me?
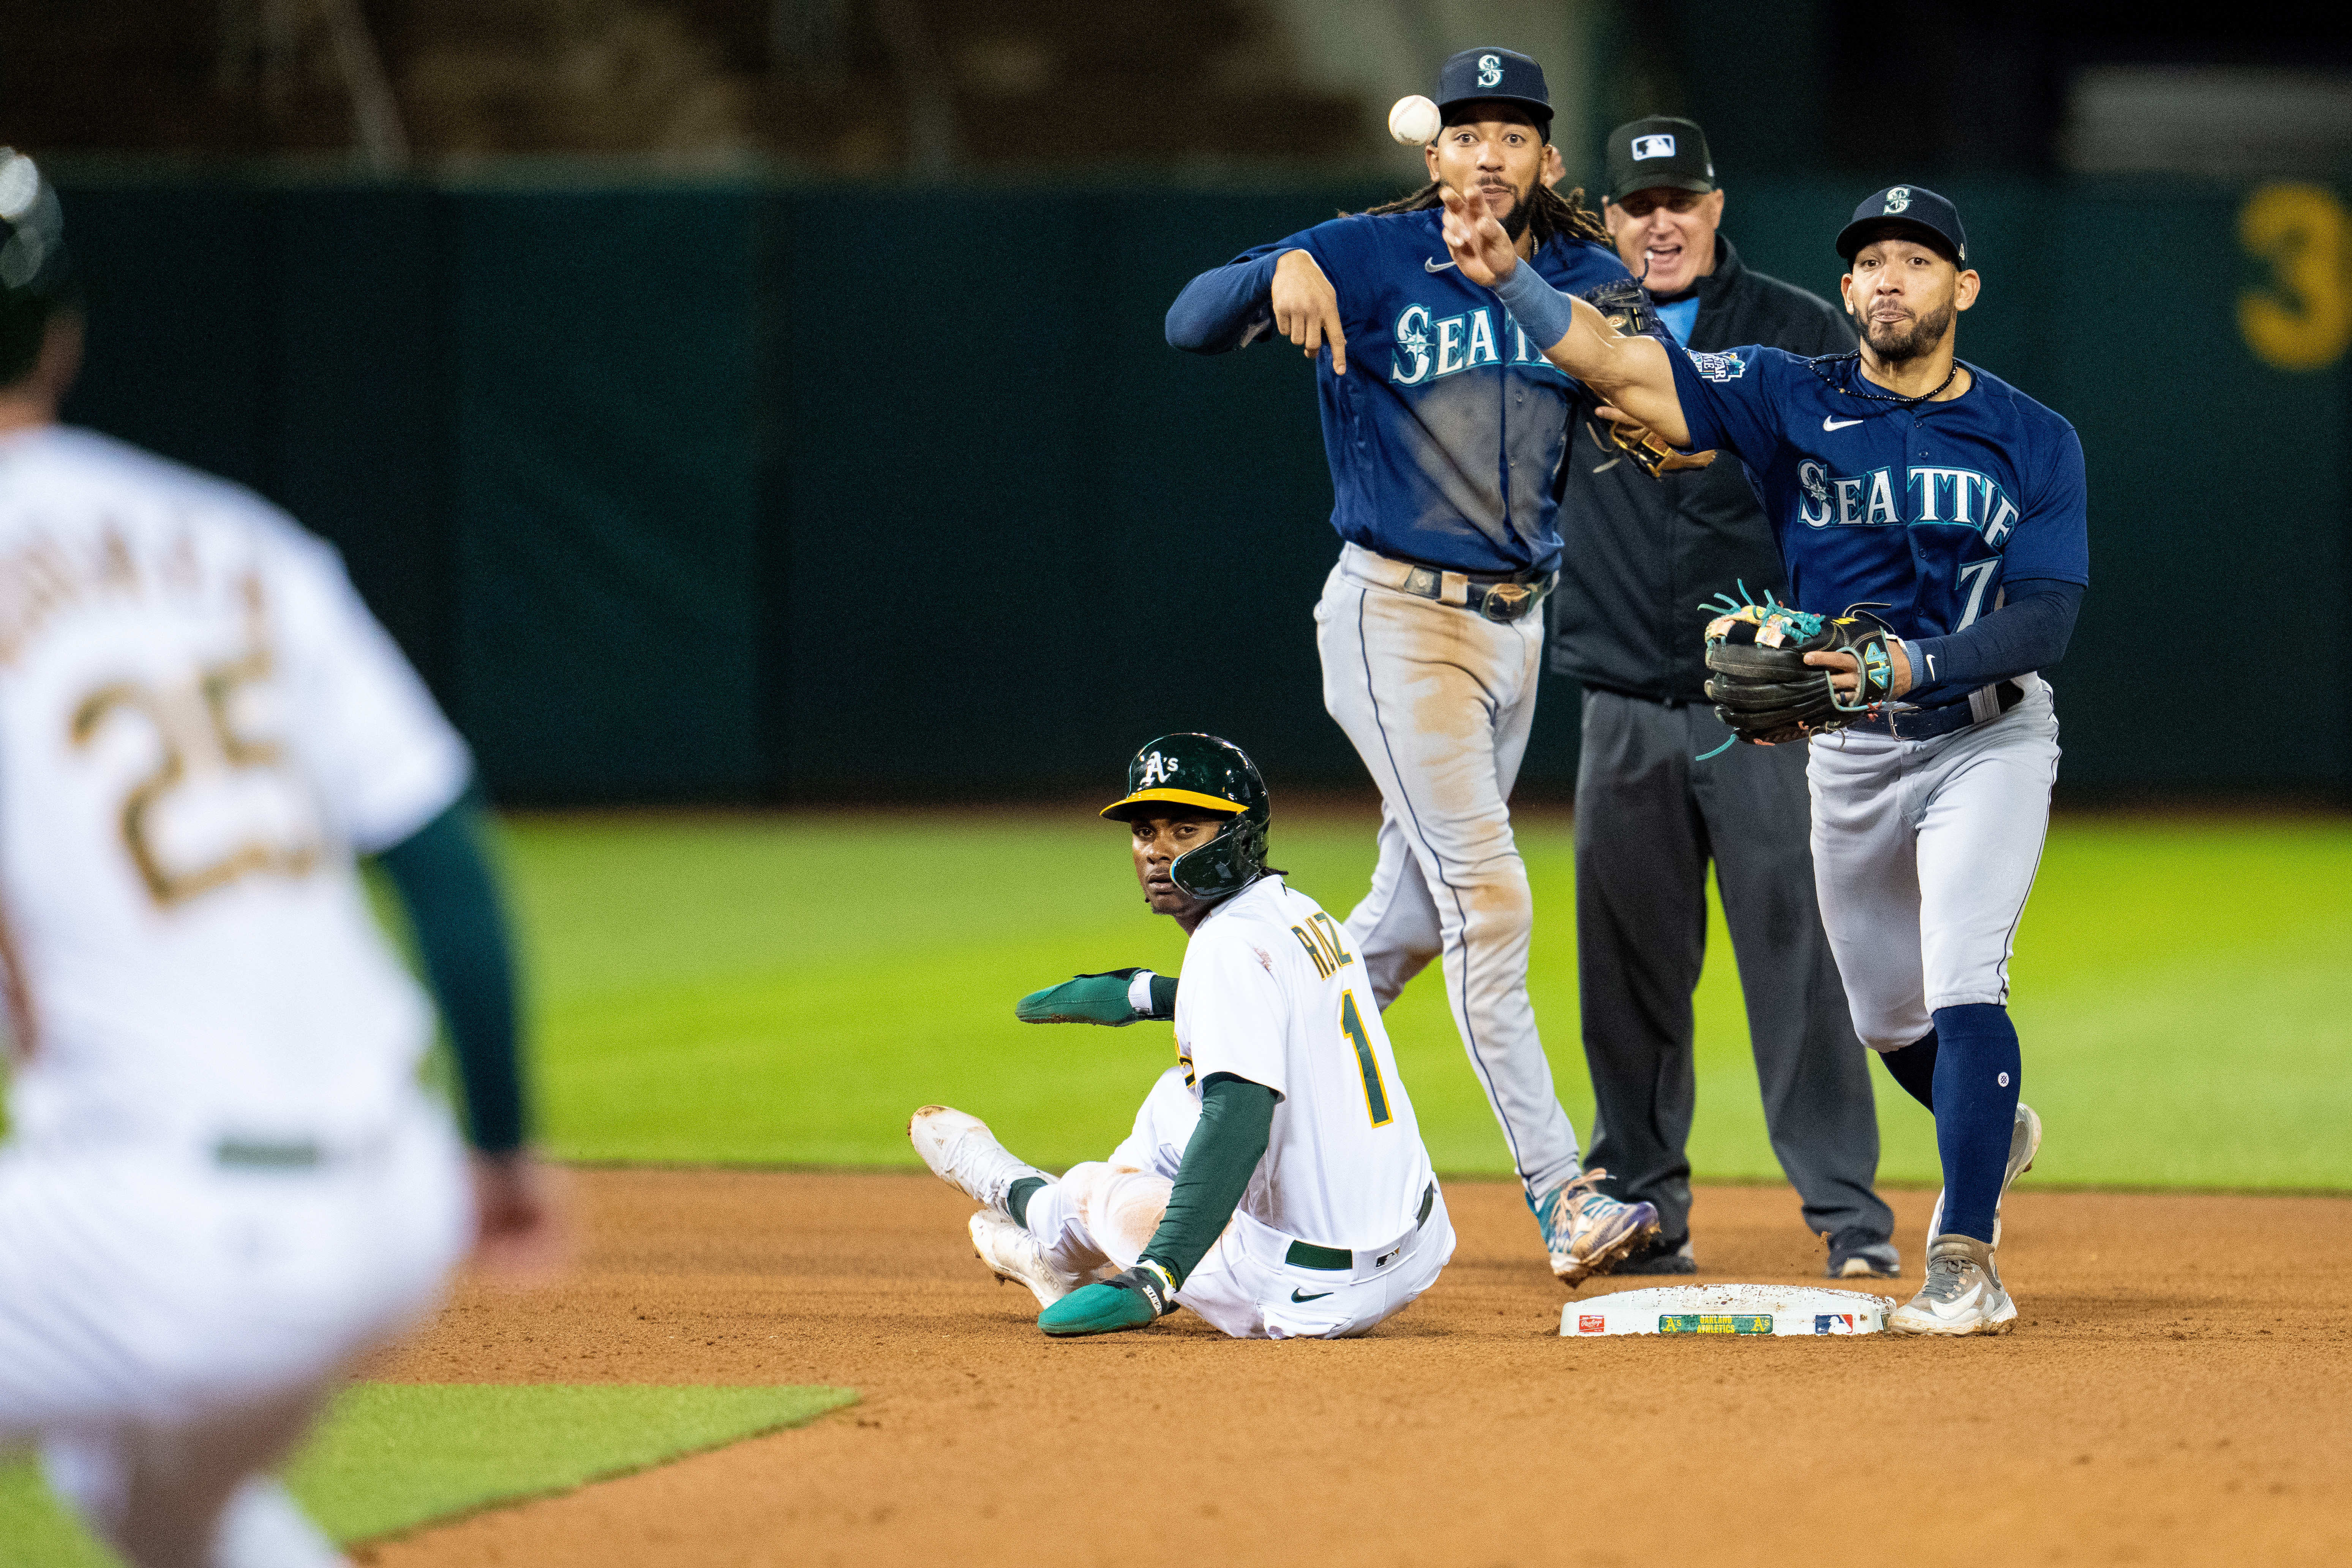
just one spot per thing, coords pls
(1214, 775)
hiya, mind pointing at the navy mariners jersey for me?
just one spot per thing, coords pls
(1923, 508)
(1447, 435)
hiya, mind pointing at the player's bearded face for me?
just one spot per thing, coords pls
(1906, 297)
(1498, 160)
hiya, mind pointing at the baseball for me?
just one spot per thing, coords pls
(1414, 121)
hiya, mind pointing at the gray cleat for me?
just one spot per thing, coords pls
(1963, 1294)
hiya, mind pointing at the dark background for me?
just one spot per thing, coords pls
(786, 470)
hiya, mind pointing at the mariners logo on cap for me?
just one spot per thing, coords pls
(1490, 70)
(1655, 147)
(1898, 199)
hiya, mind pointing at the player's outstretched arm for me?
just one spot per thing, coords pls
(1116, 997)
(1632, 373)
(445, 882)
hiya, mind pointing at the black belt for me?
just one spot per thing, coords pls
(1926, 724)
(1306, 1255)
(1503, 599)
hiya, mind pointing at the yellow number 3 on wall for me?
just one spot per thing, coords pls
(2303, 319)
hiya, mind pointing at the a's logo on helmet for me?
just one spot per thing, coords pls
(1490, 69)
(1898, 199)
(1657, 146)
(1156, 768)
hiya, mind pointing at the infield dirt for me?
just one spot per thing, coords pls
(2179, 1389)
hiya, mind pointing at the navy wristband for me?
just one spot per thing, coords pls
(1543, 312)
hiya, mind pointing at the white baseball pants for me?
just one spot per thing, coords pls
(1104, 1212)
(168, 1324)
(1923, 852)
(1439, 702)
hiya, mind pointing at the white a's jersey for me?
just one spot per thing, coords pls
(1273, 994)
(200, 724)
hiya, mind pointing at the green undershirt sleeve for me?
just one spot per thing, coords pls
(1236, 1120)
(442, 873)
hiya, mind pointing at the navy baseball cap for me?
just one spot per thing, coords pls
(1932, 219)
(1501, 75)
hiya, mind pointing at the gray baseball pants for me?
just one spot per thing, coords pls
(1648, 819)
(1439, 702)
(1925, 851)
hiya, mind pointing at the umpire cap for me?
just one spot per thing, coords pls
(35, 273)
(1661, 152)
(1216, 775)
(1914, 210)
(1494, 75)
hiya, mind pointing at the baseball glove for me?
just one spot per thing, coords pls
(1649, 450)
(1763, 688)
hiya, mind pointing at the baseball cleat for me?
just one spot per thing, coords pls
(1588, 1232)
(1017, 1257)
(1963, 1294)
(1867, 1261)
(2025, 1143)
(1659, 1256)
(963, 1152)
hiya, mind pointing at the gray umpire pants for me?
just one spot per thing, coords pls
(1648, 819)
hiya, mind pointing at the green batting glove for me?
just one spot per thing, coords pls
(1129, 1300)
(1107, 998)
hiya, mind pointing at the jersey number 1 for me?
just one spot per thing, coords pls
(1352, 1024)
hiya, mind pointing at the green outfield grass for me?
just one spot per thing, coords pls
(390, 1457)
(787, 989)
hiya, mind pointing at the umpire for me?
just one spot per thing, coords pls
(1627, 624)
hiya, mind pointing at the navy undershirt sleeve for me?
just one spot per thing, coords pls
(443, 875)
(1224, 308)
(1236, 1123)
(2030, 632)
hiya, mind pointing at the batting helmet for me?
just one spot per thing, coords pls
(1217, 775)
(36, 275)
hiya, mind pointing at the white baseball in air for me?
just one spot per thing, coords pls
(1415, 122)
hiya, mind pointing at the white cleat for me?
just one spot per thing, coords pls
(963, 1152)
(2025, 1143)
(1963, 1294)
(1014, 1255)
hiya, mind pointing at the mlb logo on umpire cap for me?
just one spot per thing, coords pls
(1652, 147)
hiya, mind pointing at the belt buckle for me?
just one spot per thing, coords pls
(1507, 602)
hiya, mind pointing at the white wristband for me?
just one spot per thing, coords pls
(1139, 993)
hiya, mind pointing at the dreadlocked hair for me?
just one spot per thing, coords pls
(1554, 216)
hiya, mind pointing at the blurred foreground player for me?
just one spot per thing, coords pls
(1900, 478)
(1276, 1182)
(224, 1181)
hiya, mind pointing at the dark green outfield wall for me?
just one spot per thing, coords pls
(735, 494)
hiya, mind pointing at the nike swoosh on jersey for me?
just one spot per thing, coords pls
(1830, 424)
(1317, 1297)
(1427, 266)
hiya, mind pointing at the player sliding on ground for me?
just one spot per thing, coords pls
(1276, 1182)
(1901, 479)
